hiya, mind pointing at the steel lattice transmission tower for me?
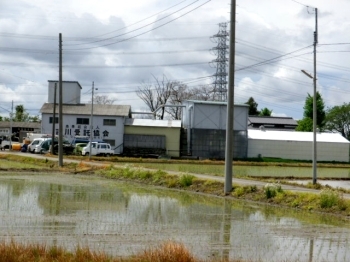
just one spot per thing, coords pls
(221, 50)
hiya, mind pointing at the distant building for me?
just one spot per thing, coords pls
(272, 123)
(204, 126)
(108, 121)
(297, 145)
(150, 136)
(18, 129)
(71, 92)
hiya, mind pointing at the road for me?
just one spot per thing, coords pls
(239, 181)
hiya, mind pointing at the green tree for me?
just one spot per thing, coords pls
(338, 119)
(253, 107)
(320, 111)
(265, 112)
(34, 119)
(305, 125)
(308, 113)
(21, 114)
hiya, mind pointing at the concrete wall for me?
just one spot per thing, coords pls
(172, 136)
(71, 128)
(298, 150)
(70, 92)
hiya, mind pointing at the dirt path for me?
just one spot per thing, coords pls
(201, 176)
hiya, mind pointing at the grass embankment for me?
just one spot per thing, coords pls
(327, 201)
(167, 252)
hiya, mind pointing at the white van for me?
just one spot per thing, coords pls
(97, 148)
(34, 146)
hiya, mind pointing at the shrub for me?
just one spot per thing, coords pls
(186, 180)
(271, 190)
(329, 198)
(171, 181)
(238, 191)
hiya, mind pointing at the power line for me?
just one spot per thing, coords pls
(123, 40)
(101, 40)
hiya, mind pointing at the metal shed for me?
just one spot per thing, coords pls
(297, 145)
(204, 123)
(152, 136)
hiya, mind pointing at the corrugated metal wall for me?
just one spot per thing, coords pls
(210, 143)
(144, 144)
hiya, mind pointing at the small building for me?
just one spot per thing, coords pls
(297, 145)
(71, 92)
(150, 136)
(107, 121)
(272, 123)
(204, 125)
(18, 129)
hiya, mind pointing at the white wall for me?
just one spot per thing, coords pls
(298, 150)
(213, 116)
(70, 93)
(71, 128)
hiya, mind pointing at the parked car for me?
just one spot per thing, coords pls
(78, 148)
(104, 149)
(33, 146)
(83, 139)
(44, 146)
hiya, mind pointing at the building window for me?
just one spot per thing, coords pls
(83, 121)
(110, 141)
(51, 118)
(109, 122)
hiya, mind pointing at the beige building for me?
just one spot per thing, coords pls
(149, 136)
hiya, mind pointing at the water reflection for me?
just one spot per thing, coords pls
(123, 219)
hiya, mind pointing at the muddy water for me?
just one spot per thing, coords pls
(123, 219)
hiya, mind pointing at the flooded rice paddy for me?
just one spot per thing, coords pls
(122, 219)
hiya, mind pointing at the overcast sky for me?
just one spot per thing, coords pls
(121, 44)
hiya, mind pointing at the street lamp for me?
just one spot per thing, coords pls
(314, 123)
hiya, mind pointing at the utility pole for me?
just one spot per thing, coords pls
(60, 122)
(53, 120)
(314, 113)
(230, 101)
(11, 116)
(91, 118)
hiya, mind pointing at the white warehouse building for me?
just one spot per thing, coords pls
(297, 145)
(107, 121)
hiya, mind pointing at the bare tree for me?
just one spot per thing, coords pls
(102, 100)
(155, 95)
(202, 92)
(179, 93)
(170, 95)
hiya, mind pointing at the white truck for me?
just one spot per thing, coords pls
(6, 143)
(97, 148)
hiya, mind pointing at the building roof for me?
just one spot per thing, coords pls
(7, 124)
(271, 120)
(152, 123)
(85, 109)
(213, 103)
(295, 136)
(56, 81)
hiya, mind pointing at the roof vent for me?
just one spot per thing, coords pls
(262, 128)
